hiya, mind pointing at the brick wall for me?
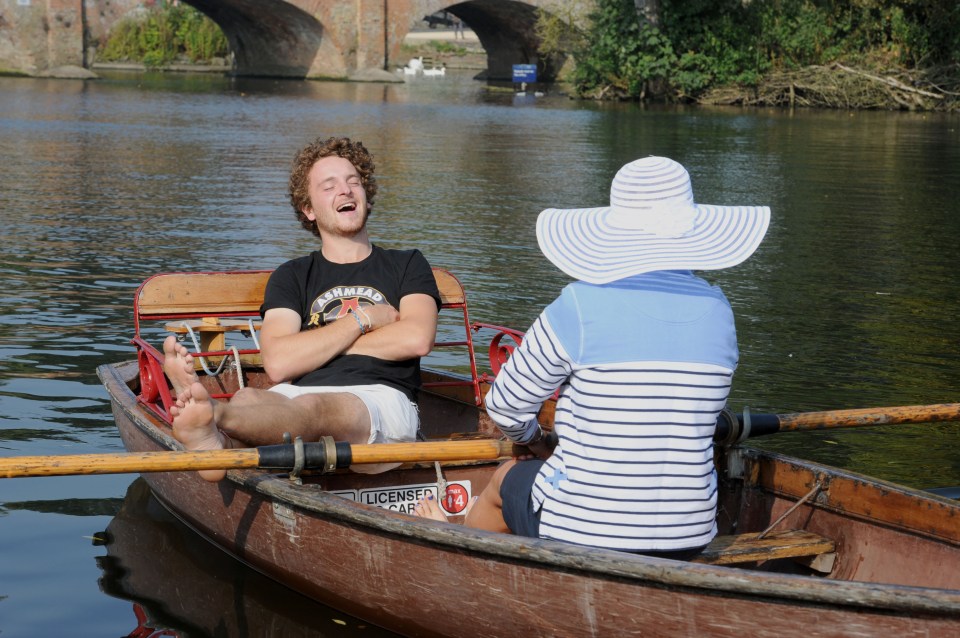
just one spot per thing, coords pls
(39, 35)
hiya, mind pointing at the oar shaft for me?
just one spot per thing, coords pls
(869, 416)
(481, 449)
(277, 456)
(122, 463)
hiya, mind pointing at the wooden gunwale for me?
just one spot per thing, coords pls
(857, 496)
(549, 555)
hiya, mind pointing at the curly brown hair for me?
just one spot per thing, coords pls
(343, 147)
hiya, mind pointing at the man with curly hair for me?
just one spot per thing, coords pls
(343, 327)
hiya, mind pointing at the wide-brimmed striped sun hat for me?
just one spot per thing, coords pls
(652, 223)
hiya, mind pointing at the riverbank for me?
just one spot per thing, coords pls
(166, 68)
(444, 47)
(438, 47)
(840, 86)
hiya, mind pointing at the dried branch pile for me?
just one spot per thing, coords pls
(843, 87)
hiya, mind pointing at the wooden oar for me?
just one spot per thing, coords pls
(324, 455)
(328, 456)
(751, 425)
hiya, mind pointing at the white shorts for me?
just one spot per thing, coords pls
(393, 417)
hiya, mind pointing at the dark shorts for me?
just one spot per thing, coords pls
(515, 493)
(523, 521)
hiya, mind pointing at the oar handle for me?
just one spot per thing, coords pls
(327, 455)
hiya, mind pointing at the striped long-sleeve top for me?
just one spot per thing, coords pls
(644, 366)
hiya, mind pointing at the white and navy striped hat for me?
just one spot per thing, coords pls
(652, 223)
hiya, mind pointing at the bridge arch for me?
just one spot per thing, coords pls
(506, 29)
(275, 38)
(337, 39)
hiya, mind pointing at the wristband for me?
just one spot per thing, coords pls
(363, 330)
(536, 437)
(365, 316)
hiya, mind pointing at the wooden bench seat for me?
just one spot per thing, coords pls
(212, 330)
(793, 543)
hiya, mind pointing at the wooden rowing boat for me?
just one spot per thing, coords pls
(843, 554)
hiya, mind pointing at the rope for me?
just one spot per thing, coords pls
(203, 361)
(816, 488)
(237, 365)
(441, 482)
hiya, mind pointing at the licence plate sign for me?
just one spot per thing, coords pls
(403, 498)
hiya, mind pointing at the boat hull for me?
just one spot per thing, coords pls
(424, 578)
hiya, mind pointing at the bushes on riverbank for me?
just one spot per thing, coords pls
(865, 54)
(163, 34)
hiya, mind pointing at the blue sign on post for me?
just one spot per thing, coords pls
(524, 72)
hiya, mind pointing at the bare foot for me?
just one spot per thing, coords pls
(428, 507)
(178, 365)
(195, 427)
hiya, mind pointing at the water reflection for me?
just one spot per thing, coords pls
(189, 589)
(67, 506)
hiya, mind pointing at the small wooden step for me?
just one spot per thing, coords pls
(212, 331)
(212, 324)
(743, 548)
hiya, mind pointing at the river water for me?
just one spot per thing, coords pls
(850, 302)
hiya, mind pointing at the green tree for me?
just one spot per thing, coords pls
(680, 49)
(163, 34)
(620, 57)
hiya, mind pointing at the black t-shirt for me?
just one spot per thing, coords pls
(323, 292)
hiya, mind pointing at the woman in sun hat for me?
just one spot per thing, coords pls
(643, 353)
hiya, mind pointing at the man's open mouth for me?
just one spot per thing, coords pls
(347, 207)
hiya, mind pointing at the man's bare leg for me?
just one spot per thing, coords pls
(195, 426)
(261, 417)
(178, 365)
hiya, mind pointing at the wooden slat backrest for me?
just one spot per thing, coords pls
(238, 292)
(202, 293)
(451, 292)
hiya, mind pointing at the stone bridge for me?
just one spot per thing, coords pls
(298, 38)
